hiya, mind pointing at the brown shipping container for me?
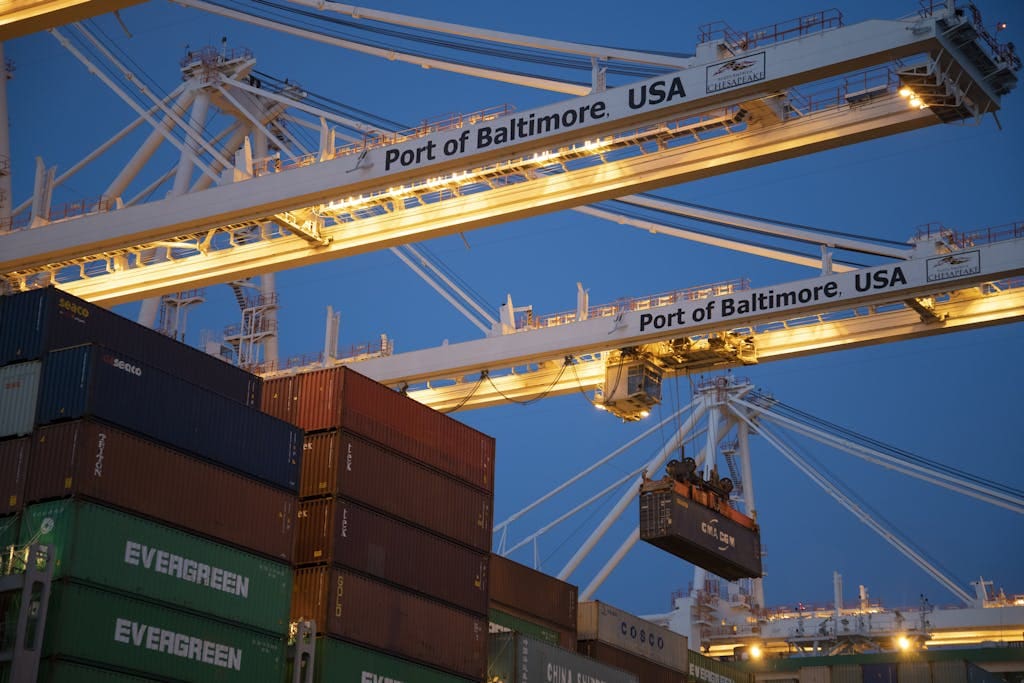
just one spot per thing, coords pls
(338, 463)
(342, 398)
(338, 531)
(645, 670)
(13, 468)
(532, 592)
(368, 612)
(698, 534)
(93, 460)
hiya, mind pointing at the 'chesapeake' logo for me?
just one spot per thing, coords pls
(122, 365)
(955, 265)
(735, 72)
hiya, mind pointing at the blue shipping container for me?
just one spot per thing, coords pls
(92, 381)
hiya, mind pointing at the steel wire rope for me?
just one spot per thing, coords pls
(465, 399)
(894, 451)
(787, 224)
(836, 481)
(542, 395)
(676, 221)
(457, 279)
(380, 46)
(471, 45)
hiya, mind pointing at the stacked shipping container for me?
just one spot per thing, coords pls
(166, 499)
(394, 528)
(610, 635)
(530, 602)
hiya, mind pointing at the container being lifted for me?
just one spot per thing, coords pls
(691, 518)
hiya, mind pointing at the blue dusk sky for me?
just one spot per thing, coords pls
(951, 398)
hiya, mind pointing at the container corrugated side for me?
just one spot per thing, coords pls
(533, 592)
(339, 531)
(910, 672)
(108, 629)
(501, 621)
(704, 669)
(116, 550)
(35, 322)
(514, 657)
(91, 380)
(338, 463)
(342, 398)
(19, 393)
(59, 671)
(843, 673)
(625, 631)
(10, 530)
(947, 672)
(338, 661)
(815, 674)
(698, 534)
(645, 670)
(90, 459)
(14, 460)
(882, 672)
(380, 616)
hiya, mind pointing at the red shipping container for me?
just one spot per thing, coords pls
(529, 591)
(338, 531)
(338, 463)
(645, 669)
(340, 398)
(93, 460)
(368, 612)
(13, 469)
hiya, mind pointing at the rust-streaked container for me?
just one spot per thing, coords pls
(646, 670)
(342, 398)
(698, 534)
(363, 610)
(93, 460)
(532, 592)
(339, 531)
(19, 394)
(94, 381)
(338, 463)
(14, 459)
(42, 320)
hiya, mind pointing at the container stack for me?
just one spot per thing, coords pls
(651, 652)
(530, 602)
(166, 498)
(394, 530)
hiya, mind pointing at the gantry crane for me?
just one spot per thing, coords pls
(734, 105)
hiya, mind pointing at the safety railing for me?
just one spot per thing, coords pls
(773, 33)
(965, 239)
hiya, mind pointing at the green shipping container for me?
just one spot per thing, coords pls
(337, 661)
(707, 670)
(507, 622)
(9, 527)
(110, 630)
(106, 547)
(70, 672)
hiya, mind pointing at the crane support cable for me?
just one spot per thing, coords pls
(496, 36)
(857, 511)
(391, 55)
(921, 468)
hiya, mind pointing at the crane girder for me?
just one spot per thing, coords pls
(721, 78)
(842, 310)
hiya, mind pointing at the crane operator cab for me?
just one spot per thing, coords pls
(632, 386)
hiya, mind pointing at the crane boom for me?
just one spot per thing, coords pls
(737, 92)
(929, 294)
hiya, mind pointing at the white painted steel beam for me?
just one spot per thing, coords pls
(688, 92)
(249, 199)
